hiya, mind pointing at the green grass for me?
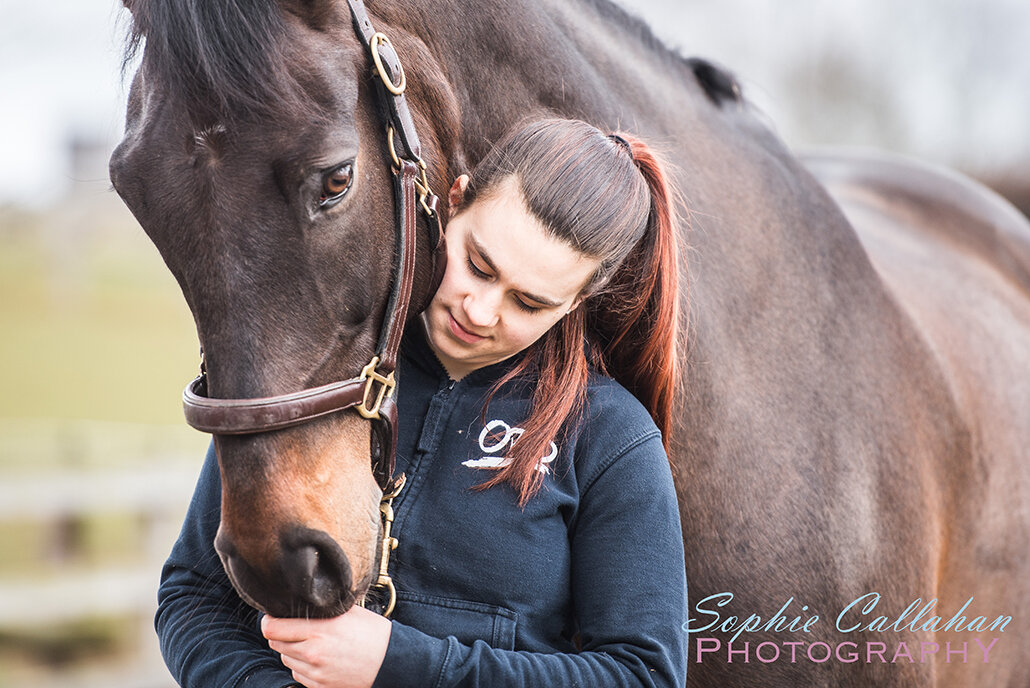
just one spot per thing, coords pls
(94, 326)
(96, 345)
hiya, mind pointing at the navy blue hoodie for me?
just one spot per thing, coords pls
(489, 594)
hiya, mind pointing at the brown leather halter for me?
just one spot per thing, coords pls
(252, 416)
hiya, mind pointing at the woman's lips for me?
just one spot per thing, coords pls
(461, 333)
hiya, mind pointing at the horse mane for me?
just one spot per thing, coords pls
(718, 83)
(226, 58)
(635, 26)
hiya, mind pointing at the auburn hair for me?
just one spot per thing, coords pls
(608, 197)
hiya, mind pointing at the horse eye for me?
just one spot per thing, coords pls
(335, 184)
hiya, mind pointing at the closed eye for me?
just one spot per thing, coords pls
(475, 270)
(525, 306)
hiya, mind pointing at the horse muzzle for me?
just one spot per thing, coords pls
(308, 576)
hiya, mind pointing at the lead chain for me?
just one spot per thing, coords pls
(384, 582)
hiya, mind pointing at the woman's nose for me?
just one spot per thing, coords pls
(481, 308)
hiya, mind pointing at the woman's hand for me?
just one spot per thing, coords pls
(342, 652)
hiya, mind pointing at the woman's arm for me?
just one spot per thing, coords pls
(628, 588)
(209, 637)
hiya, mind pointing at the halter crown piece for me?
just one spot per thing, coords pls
(370, 393)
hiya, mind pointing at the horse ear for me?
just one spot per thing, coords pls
(456, 196)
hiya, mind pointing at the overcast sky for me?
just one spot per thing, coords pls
(944, 79)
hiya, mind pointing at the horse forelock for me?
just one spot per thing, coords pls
(226, 60)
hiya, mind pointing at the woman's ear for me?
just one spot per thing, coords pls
(593, 285)
(575, 304)
(456, 196)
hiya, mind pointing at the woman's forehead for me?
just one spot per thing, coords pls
(521, 250)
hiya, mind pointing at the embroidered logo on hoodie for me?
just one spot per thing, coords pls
(495, 439)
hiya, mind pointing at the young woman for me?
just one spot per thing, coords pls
(541, 541)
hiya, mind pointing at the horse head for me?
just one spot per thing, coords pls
(256, 161)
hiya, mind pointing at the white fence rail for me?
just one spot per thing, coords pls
(68, 591)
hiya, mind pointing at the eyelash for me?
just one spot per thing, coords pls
(482, 275)
(475, 271)
(525, 306)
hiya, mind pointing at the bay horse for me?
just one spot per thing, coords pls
(856, 415)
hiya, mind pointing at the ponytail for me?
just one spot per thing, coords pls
(628, 325)
(637, 315)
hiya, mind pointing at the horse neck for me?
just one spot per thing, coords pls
(509, 61)
(474, 75)
(765, 233)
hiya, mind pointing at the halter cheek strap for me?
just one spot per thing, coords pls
(370, 393)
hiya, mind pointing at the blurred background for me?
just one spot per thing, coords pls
(96, 464)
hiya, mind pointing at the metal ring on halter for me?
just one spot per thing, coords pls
(380, 38)
(389, 146)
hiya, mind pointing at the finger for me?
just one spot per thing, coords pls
(284, 648)
(307, 681)
(285, 630)
(296, 664)
(303, 671)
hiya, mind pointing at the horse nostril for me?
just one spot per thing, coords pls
(308, 575)
(317, 571)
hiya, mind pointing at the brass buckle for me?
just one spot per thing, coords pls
(379, 38)
(424, 191)
(422, 183)
(370, 375)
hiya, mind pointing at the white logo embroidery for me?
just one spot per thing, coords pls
(507, 439)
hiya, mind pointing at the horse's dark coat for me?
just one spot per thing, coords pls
(854, 416)
(225, 59)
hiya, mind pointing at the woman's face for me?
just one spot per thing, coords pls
(507, 282)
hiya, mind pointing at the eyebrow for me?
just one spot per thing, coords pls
(490, 264)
